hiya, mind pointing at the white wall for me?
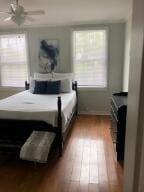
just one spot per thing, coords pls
(89, 101)
(127, 55)
(134, 164)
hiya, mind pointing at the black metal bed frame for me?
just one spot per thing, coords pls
(13, 132)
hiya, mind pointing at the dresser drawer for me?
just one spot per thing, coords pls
(113, 129)
(113, 115)
(114, 136)
(114, 108)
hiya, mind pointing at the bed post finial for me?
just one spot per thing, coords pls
(60, 136)
(26, 85)
(74, 86)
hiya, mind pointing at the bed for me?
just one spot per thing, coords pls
(25, 112)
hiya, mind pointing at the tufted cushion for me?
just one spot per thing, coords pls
(53, 87)
(40, 87)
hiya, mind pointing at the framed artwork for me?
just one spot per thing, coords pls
(48, 55)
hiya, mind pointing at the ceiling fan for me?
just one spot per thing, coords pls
(18, 14)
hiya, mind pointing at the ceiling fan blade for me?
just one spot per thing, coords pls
(2, 12)
(8, 19)
(30, 18)
(37, 12)
(13, 7)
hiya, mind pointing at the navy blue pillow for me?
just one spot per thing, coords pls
(40, 87)
(53, 87)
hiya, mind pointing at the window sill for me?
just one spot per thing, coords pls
(82, 88)
(5, 88)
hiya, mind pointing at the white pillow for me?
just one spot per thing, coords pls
(63, 75)
(66, 85)
(65, 78)
(32, 85)
(45, 76)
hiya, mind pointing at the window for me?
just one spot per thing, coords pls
(90, 57)
(13, 60)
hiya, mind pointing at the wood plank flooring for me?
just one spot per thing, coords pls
(88, 164)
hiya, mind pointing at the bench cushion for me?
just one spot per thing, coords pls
(37, 146)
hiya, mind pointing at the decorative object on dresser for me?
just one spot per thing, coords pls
(118, 117)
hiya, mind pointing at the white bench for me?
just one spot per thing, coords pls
(37, 146)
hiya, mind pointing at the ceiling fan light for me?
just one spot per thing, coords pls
(19, 20)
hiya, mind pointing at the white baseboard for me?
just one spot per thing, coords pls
(94, 113)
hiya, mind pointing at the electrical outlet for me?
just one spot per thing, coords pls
(87, 108)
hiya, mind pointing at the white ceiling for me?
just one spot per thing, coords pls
(69, 12)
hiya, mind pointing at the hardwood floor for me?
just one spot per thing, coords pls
(88, 164)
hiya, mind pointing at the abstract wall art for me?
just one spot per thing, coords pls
(48, 55)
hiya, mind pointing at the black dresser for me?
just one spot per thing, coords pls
(118, 126)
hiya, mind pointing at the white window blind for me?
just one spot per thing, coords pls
(13, 60)
(90, 57)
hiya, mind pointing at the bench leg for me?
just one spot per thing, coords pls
(60, 146)
(35, 165)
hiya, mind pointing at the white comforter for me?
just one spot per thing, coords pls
(28, 106)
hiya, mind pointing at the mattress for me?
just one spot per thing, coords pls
(28, 106)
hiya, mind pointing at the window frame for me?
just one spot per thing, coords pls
(91, 88)
(27, 58)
